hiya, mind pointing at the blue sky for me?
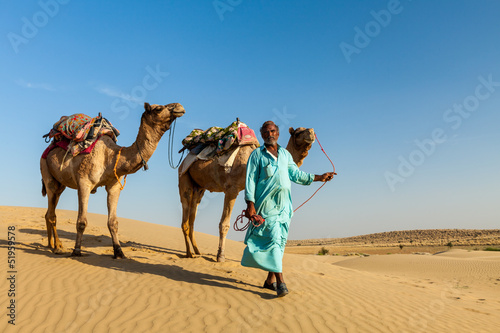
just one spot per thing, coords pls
(403, 95)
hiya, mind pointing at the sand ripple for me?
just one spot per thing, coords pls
(157, 290)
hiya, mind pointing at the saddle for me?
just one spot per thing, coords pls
(217, 142)
(79, 132)
(222, 139)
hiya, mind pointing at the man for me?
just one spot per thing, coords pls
(270, 169)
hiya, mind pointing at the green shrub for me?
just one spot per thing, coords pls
(492, 249)
(323, 251)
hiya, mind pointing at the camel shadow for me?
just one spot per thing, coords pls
(130, 265)
(93, 241)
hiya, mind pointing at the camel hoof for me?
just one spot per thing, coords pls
(221, 257)
(58, 250)
(76, 253)
(118, 253)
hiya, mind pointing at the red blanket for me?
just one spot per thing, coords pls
(64, 145)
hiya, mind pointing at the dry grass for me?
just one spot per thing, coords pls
(358, 250)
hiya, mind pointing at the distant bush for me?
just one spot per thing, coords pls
(450, 245)
(492, 249)
(323, 251)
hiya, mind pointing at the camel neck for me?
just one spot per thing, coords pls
(297, 154)
(138, 154)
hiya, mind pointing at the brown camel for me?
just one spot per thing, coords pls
(209, 175)
(85, 173)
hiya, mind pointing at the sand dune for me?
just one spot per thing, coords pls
(427, 237)
(157, 290)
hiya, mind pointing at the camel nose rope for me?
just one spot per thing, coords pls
(333, 166)
(171, 147)
(240, 217)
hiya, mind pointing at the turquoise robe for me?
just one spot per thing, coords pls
(268, 185)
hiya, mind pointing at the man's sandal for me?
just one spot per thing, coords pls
(271, 286)
(282, 290)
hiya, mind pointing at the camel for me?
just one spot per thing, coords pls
(209, 175)
(106, 165)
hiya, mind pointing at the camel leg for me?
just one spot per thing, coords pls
(51, 221)
(186, 194)
(81, 223)
(197, 196)
(190, 198)
(229, 200)
(113, 196)
(53, 189)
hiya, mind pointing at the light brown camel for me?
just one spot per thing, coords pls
(209, 175)
(85, 173)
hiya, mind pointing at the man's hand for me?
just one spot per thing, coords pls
(250, 211)
(251, 214)
(326, 177)
(257, 220)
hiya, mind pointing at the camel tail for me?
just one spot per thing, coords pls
(44, 190)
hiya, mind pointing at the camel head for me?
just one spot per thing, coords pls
(301, 140)
(161, 116)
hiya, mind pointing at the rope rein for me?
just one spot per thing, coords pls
(118, 178)
(333, 166)
(171, 147)
(245, 226)
(240, 217)
(144, 163)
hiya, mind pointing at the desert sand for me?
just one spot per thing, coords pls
(158, 290)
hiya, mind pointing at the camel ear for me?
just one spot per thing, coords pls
(147, 107)
(291, 130)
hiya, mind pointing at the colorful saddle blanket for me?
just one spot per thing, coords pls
(223, 138)
(64, 144)
(82, 132)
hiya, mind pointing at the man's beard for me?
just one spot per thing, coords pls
(271, 141)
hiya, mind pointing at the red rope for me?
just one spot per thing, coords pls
(324, 182)
(244, 227)
(309, 197)
(240, 217)
(325, 153)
